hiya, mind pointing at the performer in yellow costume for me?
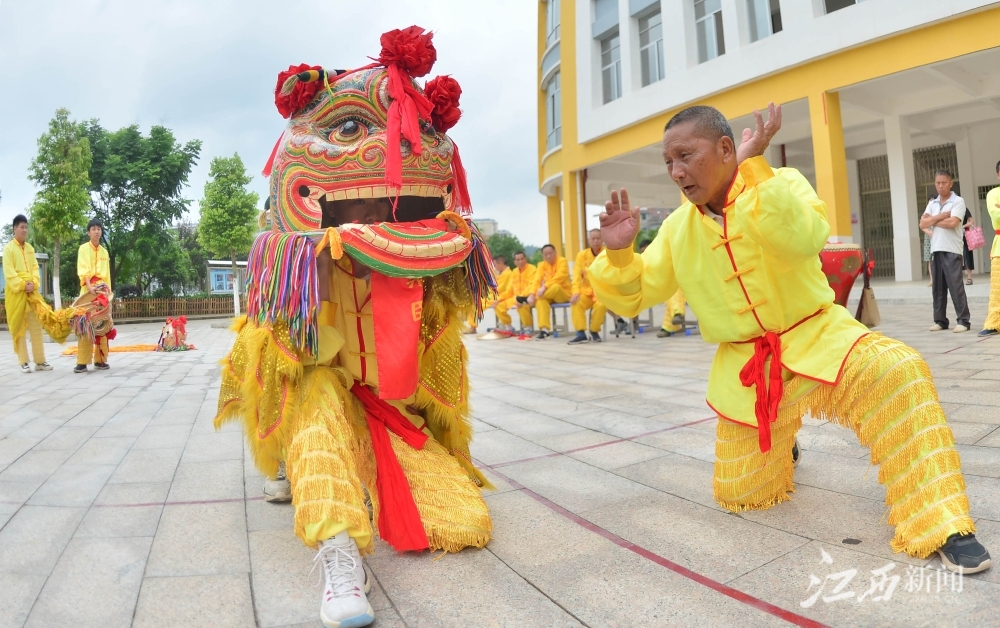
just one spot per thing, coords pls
(522, 280)
(552, 285)
(583, 298)
(992, 325)
(93, 266)
(745, 250)
(349, 367)
(22, 282)
(505, 292)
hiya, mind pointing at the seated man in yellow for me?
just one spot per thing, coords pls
(583, 298)
(551, 285)
(20, 270)
(745, 250)
(93, 265)
(522, 280)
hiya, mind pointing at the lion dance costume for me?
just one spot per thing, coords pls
(365, 392)
(786, 349)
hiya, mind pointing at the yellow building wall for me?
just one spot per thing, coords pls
(817, 80)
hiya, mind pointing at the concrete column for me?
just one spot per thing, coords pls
(555, 221)
(830, 159)
(905, 220)
(571, 214)
(854, 191)
(966, 177)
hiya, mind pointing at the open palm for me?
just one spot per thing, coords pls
(619, 221)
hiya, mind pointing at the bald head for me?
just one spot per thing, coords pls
(707, 122)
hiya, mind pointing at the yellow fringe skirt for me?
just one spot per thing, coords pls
(886, 395)
(993, 313)
(329, 460)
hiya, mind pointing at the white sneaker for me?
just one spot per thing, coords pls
(935, 327)
(345, 603)
(44, 366)
(959, 329)
(279, 489)
(25, 368)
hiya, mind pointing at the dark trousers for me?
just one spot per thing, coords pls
(946, 269)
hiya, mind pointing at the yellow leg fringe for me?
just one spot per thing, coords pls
(887, 397)
(993, 312)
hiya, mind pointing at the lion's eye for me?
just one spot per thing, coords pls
(350, 128)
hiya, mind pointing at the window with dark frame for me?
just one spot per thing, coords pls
(651, 48)
(708, 26)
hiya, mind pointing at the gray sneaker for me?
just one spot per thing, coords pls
(279, 489)
(44, 366)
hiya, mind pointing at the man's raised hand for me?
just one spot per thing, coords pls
(755, 142)
(619, 222)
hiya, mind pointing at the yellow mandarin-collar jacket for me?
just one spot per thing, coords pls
(19, 267)
(522, 281)
(581, 283)
(505, 282)
(91, 262)
(992, 200)
(553, 275)
(759, 272)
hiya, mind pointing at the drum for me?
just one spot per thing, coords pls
(841, 265)
(97, 311)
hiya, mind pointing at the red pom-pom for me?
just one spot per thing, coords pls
(288, 104)
(444, 93)
(409, 49)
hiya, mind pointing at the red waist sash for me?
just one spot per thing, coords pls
(399, 521)
(770, 386)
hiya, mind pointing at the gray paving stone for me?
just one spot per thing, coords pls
(95, 583)
(283, 588)
(19, 594)
(219, 546)
(73, 485)
(66, 437)
(214, 447)
(34, 538)
(197, 481)
(677, 475)
(147, 465)
(102, 450)
(157, 436)
(219, 601)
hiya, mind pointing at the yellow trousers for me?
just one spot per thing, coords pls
(554, 294)
(523, 312)
(886, 395)
(85, 351)
(21, 344)
(579, 313)
(675, 306)
(993, 313)
(329, 459)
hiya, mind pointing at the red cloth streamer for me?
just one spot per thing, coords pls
(769, 384)
(461, 191)
(397, 307)
(407, 107)
(399, 521)
(179, 324)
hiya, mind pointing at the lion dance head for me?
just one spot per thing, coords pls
(368, 133)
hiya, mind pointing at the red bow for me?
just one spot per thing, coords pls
(399, 521)
(179, 324)
(769, 385)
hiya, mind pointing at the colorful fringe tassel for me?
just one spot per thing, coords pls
(283, 281)
(480, 275)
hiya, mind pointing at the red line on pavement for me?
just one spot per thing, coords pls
(604, 444)
(718, 587)
(188, 503)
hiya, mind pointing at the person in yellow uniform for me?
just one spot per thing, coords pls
(503, 279)
(505, 292)
(20, 270)
(583, 298)
(93, 266)
(552, 285)
(745, 250)
(522, 281)
(991, 326)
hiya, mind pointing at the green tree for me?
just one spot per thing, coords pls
(228, 213)
(158, 257)
(187, 235)
(505, 244)
(643, 235)
(61, 171)
(136, 183)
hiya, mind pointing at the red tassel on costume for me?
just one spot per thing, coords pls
(463, 205)
(399, 521)
(270, 160)
(769, 384)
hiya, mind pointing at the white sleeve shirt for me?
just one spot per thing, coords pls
(947, 240)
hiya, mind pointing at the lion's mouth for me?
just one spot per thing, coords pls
(407, 209)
